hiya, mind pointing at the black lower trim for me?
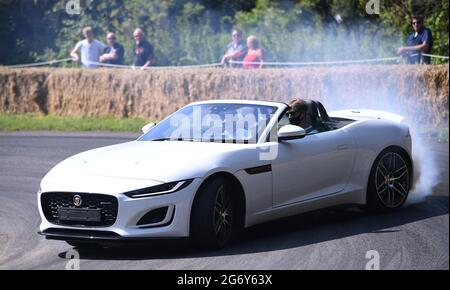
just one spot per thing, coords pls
(63, 234)
(94, 236)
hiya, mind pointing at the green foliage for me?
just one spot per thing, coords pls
(197, 31)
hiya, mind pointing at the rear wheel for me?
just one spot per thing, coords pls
(214, 221)
(389, 181)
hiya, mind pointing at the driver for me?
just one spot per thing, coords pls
(298, 115)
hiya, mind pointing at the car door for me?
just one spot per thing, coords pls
(317, 165)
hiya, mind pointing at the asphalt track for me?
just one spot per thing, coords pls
(416, 237)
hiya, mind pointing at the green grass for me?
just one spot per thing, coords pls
(32, 122)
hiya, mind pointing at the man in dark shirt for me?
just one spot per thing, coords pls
(236, 49)
(420, 41)
(143, 50)
(113, 53)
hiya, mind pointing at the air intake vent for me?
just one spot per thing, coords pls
(154, 216)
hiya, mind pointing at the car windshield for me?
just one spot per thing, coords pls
(214, 122)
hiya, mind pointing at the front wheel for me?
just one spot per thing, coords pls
(213, 214)
(390, 181)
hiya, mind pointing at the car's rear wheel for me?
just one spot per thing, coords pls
(214, 221)
(390, 180)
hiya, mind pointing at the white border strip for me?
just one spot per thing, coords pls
(397, 58)
(435, 56)
(154, 67)
(386, 59)
(39, 63)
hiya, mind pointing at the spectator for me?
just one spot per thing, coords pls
(420, 41)
(90, 50)
(255, 54)
(236, 49)
(143, 50)
(113, 53)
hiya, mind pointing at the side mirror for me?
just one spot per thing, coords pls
(291, 132)
(148, 127)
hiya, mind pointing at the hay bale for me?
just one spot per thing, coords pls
(419, 92)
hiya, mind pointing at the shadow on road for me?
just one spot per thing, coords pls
(286, 233)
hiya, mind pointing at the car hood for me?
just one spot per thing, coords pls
(160, 161)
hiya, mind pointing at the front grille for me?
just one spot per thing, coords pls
(106, 204)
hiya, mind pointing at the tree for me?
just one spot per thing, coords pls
(197, 31)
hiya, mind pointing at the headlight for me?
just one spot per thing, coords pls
(159, 189)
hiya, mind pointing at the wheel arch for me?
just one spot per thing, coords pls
(238, 192)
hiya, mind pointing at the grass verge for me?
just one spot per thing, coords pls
(32, 122)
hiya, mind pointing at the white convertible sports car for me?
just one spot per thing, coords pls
(215, 167)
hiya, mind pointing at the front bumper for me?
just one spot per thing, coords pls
(130, 211)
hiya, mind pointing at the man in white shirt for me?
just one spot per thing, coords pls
(90, 49)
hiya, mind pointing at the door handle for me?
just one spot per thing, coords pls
(342, 147)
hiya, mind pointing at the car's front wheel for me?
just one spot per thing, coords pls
(213, 220)
(390, 181)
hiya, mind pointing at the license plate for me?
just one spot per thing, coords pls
(79, 214)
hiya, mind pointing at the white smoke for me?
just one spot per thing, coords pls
(426, 170)
(363, 88)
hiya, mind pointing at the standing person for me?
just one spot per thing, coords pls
(90, 49)
(113, 53)
(420, 41)
(236, 49)
(143, 50)
(255, 54)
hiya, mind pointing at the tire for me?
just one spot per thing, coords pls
(389, 181)
(214, 216)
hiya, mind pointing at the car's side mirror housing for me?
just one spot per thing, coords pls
(148, 127)
(291, 132)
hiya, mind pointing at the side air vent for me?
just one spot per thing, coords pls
(155, 217)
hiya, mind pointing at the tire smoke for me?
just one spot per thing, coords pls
(426, 171)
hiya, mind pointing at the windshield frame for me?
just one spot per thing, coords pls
(263, 135)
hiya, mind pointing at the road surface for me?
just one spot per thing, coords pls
(415, 237)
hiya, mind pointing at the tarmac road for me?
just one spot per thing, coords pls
(416, 237)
